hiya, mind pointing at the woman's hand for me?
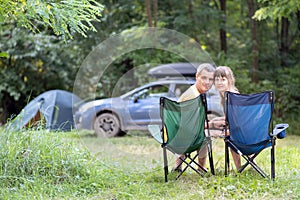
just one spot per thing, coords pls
(218, 123)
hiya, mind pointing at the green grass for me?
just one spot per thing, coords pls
(78, 165)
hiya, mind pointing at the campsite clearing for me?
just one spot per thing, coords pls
(49, 165)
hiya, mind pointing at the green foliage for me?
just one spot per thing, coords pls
(48, 165)
(3, 55)
(284, 82)
(25, 54)
(28, 58)
(35, 63)
(276, 8)
(63, 17)
(288, 97)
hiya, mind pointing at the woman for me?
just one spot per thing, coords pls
(224, 81)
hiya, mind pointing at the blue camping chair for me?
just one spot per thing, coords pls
(249, 120)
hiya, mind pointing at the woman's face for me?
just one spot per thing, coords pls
(222, 84)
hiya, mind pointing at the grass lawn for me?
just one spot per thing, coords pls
(78, 165)
(137, 159)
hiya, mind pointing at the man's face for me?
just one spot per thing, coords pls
(204, 81)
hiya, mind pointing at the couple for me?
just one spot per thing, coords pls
(206, 76)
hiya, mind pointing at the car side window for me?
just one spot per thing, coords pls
(179, 89)
(158, 91)
(152, 92)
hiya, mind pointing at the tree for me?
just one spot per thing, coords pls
(222, 26)
(33, 59)
(29, 54)
(254, 41)
(280, 10)
(35, 63)
(276, 8)
(284, 38)
(64, 17)
(149, 13)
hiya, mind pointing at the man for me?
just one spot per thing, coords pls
(204, 81)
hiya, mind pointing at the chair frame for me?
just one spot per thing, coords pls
(191, 158)
(250, 159)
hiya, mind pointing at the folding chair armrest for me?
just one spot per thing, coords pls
(279, 131)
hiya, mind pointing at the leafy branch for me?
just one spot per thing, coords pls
(276, 8)
(63, 17)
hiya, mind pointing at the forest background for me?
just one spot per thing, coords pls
(259, 40)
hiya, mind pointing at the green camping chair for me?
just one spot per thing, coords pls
(182, 131)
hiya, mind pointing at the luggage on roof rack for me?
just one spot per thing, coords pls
(174, 70)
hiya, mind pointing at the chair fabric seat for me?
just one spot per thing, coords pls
(249, 149)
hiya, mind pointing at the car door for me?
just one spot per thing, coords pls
(143, 106)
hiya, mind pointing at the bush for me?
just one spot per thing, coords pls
(47, 165)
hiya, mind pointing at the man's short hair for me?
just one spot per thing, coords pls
(206, 66)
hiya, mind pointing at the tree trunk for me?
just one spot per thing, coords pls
(148, 9)
(8, 106)
(155, 12)
(298, 19)
(255, 43)
(284, 47)
(277, 31)
(222, 26)
(193, 30)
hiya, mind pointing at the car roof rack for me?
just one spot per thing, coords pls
(174, 70)
(177, 78)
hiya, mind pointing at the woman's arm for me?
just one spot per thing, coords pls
(217, 123)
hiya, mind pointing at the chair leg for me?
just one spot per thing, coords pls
(183, 160)
(226, 158)
(210, 157)
(165, 164)
(250, 160)
(243, 166)
(273, 159)
(189, 164)
(192, 160)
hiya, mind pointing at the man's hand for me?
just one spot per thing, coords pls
(218, 123)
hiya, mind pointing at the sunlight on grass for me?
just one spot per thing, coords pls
(143, 155)
(78, 165)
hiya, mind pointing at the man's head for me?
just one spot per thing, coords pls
(205, 77)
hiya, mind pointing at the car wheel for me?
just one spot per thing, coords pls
(108, 125)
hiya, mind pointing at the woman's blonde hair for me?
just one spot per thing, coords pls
(224, 71)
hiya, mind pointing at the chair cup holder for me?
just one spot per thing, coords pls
(281, 135)
(280, 130)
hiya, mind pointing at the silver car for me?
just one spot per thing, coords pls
(136, 109)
